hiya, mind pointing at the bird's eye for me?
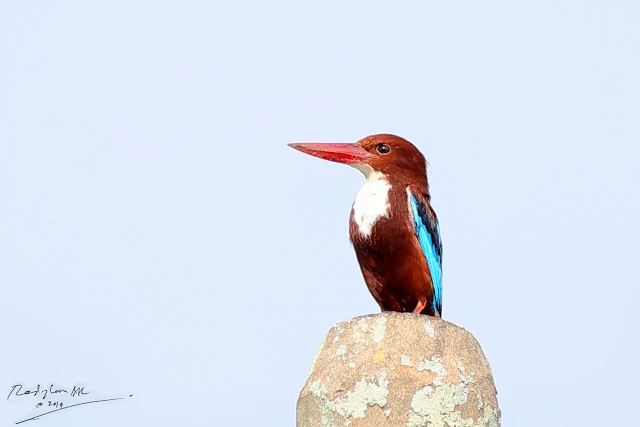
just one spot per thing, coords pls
(383, 149)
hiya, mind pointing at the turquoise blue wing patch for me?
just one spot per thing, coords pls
(427, 231)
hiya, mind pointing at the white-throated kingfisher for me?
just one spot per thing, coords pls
(393, 228)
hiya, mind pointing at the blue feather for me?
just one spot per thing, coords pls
(428, 233)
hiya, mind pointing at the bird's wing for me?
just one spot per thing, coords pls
(427, 231)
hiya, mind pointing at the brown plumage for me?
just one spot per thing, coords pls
(397, 275)
(382, 228)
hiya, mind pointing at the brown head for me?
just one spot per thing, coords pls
(385, 153)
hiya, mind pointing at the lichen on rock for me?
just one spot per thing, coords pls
(399, 369)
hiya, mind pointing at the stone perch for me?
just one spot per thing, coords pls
(399, 369)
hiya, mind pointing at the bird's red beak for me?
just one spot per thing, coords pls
(335, 152)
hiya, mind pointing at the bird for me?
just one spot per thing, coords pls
(393, 228)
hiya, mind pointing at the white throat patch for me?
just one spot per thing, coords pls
(372, 201)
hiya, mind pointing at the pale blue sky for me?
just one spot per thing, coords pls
(159, 237)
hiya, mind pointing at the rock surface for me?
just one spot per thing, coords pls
(399, 369)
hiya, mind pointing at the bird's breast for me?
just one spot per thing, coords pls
(371, 203)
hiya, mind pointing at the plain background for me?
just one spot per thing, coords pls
(159, 238)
